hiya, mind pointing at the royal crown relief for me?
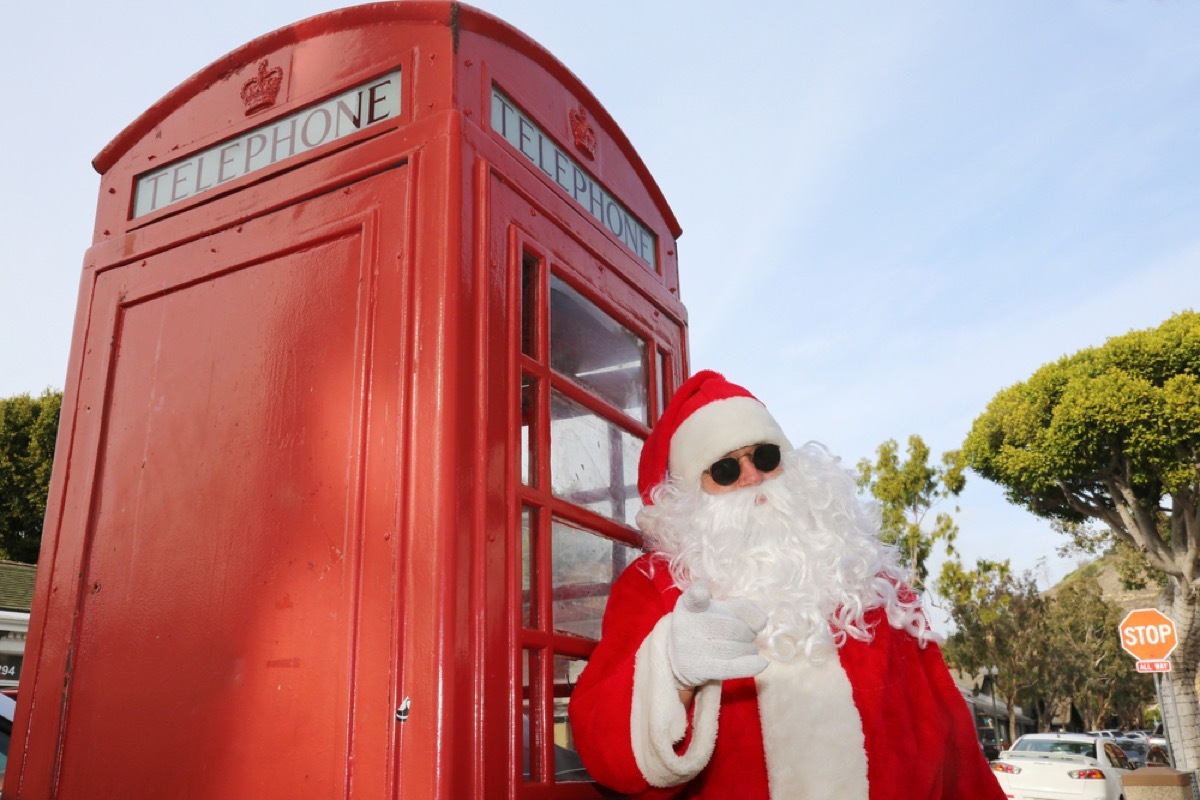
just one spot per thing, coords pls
(583, 133)
(259, 93)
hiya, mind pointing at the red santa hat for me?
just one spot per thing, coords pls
(707, 417)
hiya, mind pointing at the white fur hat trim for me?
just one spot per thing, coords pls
(721, 427)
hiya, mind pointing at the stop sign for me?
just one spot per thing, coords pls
(1148, 635)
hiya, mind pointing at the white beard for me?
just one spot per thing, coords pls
(801, 545)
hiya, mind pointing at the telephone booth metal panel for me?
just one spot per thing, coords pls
(248, 565)
(350, 430)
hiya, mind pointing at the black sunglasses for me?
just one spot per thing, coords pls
(725, 472)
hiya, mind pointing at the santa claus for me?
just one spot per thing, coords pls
(766, 646)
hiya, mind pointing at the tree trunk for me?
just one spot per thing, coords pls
(1182, 712)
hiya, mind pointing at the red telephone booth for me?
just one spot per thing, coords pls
(379, 310)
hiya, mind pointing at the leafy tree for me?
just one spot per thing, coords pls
(28, 427)
(999, 621)
(1090, 667)
(1112, 434)
(907, 492)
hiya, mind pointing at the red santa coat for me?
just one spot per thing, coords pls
(883, 721)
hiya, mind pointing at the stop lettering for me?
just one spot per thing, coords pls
(1147, 634)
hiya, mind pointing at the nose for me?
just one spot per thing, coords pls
(750, 475)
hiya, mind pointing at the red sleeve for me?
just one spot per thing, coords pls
(966, 774)
(965, 771)
(602, 701)
(915, 721)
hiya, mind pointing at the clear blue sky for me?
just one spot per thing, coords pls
(890, 210)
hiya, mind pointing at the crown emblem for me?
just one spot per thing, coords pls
(585, 137)
(260, 92)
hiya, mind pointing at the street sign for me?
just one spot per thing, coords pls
(1149, 636)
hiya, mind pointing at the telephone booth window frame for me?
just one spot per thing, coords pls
(549, 655)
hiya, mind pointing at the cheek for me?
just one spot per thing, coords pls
(709, 486)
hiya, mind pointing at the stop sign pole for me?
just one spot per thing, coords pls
(1148, 635)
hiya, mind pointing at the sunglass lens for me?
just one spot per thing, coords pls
(766, 457)
(725, 472)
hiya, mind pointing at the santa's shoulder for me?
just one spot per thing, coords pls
(653, 572)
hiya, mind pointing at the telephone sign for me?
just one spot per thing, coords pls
(1149, 636)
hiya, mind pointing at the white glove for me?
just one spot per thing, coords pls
(713, 640)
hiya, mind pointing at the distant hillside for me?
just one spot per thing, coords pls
(1105, 573)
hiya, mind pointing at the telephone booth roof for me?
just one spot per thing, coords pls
(189, 116)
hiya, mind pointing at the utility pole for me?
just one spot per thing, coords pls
(992, 673)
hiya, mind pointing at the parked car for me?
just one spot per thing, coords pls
(1134, 748)
(1076, 765)
(988, 743)
(1110, 733)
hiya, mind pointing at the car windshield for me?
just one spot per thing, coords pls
(1074, 748)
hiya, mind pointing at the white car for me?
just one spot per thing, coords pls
(1049, 766)
(1111, 733)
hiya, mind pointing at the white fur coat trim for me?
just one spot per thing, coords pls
(658, 720)
(812, 733)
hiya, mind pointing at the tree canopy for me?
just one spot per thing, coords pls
(28, 428)
(999, 627)
(907, 492)
(1110, 433)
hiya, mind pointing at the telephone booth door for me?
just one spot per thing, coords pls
(594, 364)
(235, 602)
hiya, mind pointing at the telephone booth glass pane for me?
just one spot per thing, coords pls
(596, 351)
(528, 583)
(529, 283)
(567, 765)
(662, 369)
(528, 430)
(593, 463)
(585, 567)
